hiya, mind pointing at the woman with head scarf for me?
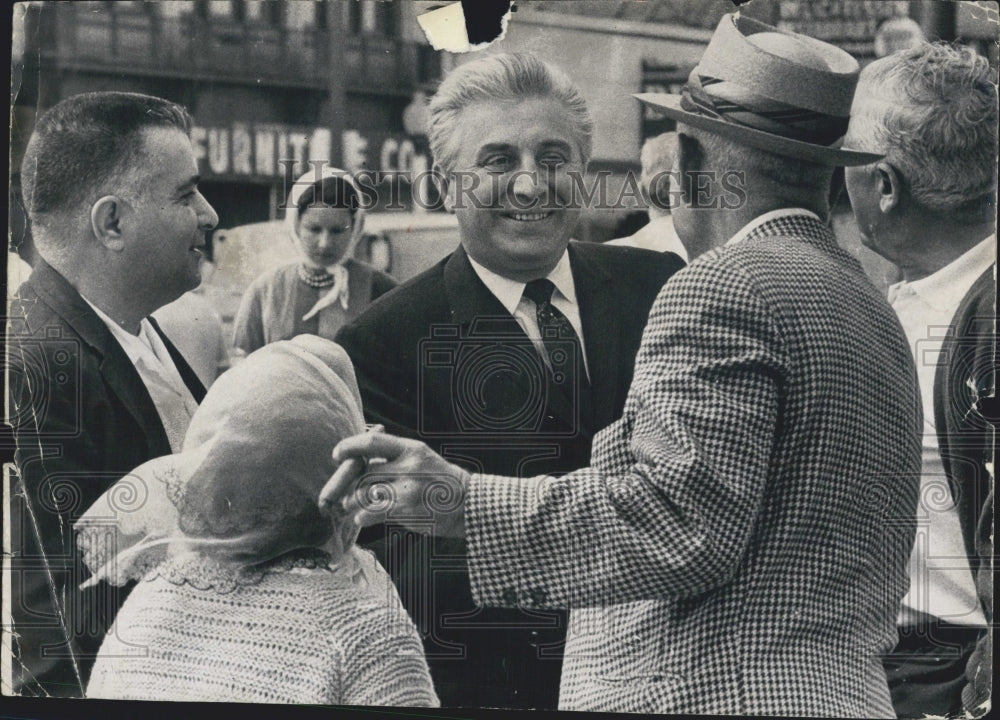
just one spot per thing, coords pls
(327, 287)
(247, 590)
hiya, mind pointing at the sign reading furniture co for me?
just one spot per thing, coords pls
(262, 151)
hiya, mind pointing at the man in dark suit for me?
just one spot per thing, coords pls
(507, 356)
(95, 389)
(739, 541)
(930, 207)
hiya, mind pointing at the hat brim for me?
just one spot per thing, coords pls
(669, 105)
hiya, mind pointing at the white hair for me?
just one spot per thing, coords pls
(509, 77)
(932, 110)
(793, 173)
(657, 158)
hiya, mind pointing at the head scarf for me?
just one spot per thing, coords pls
(244, 489)
(338, 291)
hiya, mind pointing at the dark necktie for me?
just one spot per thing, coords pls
(562, 346)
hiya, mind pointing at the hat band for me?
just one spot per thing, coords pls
(768, 116)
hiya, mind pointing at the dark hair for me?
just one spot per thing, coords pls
(85, 140)
(334, 192)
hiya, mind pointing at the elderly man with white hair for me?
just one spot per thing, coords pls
(657, 161)
(930, 207)
(739, 542)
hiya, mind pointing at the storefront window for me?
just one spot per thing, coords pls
(220, 8)
(254, 10)
(369, 17)
(301, 15)
(176, 9)
(385, 18)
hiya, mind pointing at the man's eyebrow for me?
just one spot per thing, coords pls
(190, 182)
(561, 144)
(494, 147)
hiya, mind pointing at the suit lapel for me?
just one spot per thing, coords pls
(600, 315)
(961, 354)
(194, 384)
(115, 367)
(471, 302)
(481, 315)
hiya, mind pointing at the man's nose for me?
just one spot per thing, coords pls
(207, 217)
(526, 184)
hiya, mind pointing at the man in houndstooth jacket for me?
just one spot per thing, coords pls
(739, 543)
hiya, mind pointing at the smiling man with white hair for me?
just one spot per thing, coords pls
(739, 542)
(930, 207)
(509, 354)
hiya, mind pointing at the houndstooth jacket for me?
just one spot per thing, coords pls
(740, 543)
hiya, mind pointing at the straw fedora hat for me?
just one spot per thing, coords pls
(777, 91)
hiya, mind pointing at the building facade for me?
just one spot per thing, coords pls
(270, 84)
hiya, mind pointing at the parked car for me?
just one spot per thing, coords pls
(402, 244)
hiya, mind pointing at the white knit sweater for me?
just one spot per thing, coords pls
(303, 635)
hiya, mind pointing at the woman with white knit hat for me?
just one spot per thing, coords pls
(327, 287)
(248, 591)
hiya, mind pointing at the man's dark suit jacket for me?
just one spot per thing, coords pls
(82, 418)
(441, 360)
(964, 379)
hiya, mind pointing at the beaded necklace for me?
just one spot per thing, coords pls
(313, 279)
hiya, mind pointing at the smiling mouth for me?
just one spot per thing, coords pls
(528, 216)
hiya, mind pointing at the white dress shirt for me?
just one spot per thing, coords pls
(173, 401)
(510, 293)
(657, 235)
(941, 583)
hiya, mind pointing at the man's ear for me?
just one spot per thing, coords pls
(444, 187)
(687, 161)
(105, 222)
(889, 184)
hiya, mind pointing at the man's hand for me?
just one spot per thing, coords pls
(382, 477)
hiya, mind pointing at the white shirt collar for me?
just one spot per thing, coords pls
(145, 349)
(768, 217)
(135, 346)
(945, 288)
(509, 292)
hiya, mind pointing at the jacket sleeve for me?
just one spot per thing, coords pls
(382, 283)
(670, 501)
(978, 691)
(965, 415)
(51, 484)
(386, 371)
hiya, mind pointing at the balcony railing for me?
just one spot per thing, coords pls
(190, 46)
(143, 43)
